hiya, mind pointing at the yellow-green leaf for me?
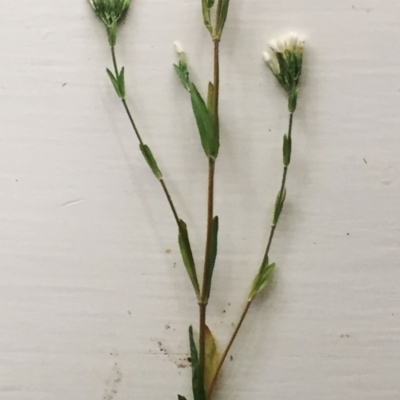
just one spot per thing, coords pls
(212, 359)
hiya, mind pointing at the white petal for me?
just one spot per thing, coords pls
(276, 45)
(267, 57)
(178, 47)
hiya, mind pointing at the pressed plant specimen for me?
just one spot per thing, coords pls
(285, 61)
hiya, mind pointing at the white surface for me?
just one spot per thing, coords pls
(87, 287)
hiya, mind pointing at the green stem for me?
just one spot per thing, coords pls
(228, 348)
(246, 309)
(210, 208)
(139, 138)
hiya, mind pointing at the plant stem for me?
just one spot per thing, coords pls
(283, 185)
(210, 207)
(139, 138)
(228, 347)
(249, 302)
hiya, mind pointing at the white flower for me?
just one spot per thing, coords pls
(285, 60)
(289, 42)
(178, 47)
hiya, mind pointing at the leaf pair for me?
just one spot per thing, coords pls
(262, 279)
(118, 82)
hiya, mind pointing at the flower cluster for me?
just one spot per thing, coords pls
(111, 12)
(286, 61)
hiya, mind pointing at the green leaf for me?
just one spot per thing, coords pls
(207, 15)
(262, 279)
(210, 3)
(212, 359)
(223, 16)
(115, 82)
(199, 392)
(183, 74)
(280, 201)
(287, 150)
(209, 139)
(121, 82)
(148, 155)
(187, 256)
(212, 257)
(181, 397)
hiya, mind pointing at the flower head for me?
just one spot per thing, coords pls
(110, 12)
(286, 61)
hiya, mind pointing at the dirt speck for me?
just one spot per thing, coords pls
(113, 381)
(168, 251)
(167, 326)
(365, 160)
(231, 358)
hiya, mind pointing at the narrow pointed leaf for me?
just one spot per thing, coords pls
(287, 150)
(210, 3)
(207, 15)
(280, 201)
(224, 15)
(187, 256)
(212, 257)
(205, 124)
(115, 83)
(212, 359)
(121, 82)
(199, 392)
(262, 279)
(181, 397)
(148, 156)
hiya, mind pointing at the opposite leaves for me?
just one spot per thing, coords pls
(118, 82)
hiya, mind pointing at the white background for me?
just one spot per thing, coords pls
(94, 301)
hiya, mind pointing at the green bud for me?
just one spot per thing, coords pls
(110, 12)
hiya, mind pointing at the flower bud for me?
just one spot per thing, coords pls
(110, 12)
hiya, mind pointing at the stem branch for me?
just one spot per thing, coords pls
(246, 309)
(140, 140)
